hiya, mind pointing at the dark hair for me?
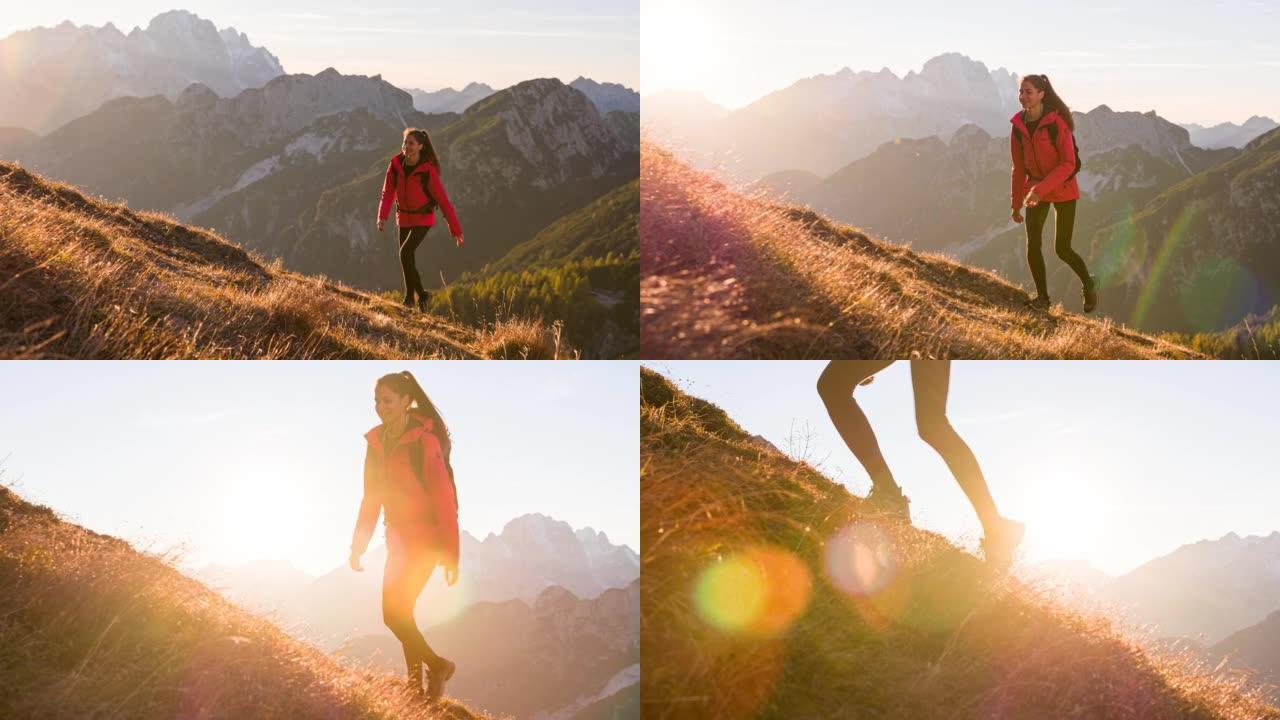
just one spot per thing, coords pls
(403, 383)
(428, 150)
(1051, 99)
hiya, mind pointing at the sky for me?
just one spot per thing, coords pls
(412, 45)
(240, 461)
(1190, 61)
(1114, 463)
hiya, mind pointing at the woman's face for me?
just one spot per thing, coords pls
(1029, 96)
(412, 146)
(388, 404)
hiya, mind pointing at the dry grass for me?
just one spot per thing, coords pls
(944, 637)
(90, 628)
(84, 278)
(729, 275)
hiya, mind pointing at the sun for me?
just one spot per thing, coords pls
(257, 515)
(680, 46)
(1063, 522)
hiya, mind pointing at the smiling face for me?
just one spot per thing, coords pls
(1029, 96)
(389, 404)
(411, 147)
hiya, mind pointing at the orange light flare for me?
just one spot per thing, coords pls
(759, 591)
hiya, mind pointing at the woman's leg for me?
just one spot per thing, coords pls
(406, 574)
(1036, 217)
(931, 381)
(410, 239)
(1065, 214)
(835, 386)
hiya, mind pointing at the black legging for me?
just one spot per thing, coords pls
(410, 239)
(1065, 212)
(409, 566)
(930, 381)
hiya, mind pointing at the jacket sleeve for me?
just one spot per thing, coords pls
(388, 192)
(1018, 183)
(1066, 162)
(437, 192)
(444, 497)
(370, 508)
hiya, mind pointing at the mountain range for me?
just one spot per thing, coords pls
(54, 75)
(1230, 134)
(293, 169)
(532, 553)
(1205, 591)
(821, 123)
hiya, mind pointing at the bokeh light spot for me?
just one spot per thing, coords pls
(760, 591)
(860, 559)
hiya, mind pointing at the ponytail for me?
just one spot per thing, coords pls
(404, 383)
(1052, 102)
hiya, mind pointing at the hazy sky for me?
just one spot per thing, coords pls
(263, 460)
(1115, 463)
(426, 45)
(1204, 62)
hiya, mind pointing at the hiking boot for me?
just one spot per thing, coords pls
(437, 676)
(1039, 302)
(887, 501)
(1090, 292)
(1000, 542)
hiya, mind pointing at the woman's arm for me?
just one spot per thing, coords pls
(1066, 162)
(441, 197)
(370, 508)
(1018, 180)
(388, 193)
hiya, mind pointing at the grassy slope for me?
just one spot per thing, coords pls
(943, 638)
(89, 627)
(727, 275)
(83, 278)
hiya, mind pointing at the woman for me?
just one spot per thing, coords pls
(413, 181)
(407, 471)
(930, 380)
(1044, 173)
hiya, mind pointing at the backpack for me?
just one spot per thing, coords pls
(1053, 138)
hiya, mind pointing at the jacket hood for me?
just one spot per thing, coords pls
(1017, 122)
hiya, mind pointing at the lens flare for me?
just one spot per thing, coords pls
(760, 591)
(1120, 254)
(1219, 292)
(1155, 276)
(860, 559)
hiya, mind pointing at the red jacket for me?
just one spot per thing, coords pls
(1037, 160)
(408, 194)
(411, 480)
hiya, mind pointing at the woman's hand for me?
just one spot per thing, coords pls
(458, 239)
(1017, 215)
(1032, 199)
(381, 224)
(354, 562)
(451, 574)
